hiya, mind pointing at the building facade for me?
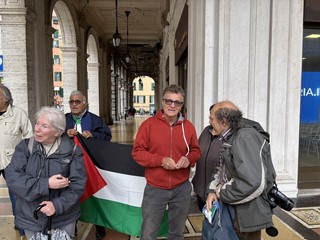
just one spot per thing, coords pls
(143, 95)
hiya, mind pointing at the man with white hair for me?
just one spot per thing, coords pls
(89, 125)
(14, 126)
(80, 120)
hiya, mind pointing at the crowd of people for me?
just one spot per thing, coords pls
(44, 169)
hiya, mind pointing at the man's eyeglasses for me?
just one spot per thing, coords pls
(169, 102)
(76, 102)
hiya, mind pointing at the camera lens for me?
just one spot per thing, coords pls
(276, 197)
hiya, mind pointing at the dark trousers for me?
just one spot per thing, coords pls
(155, 201)
(13, 200)
(200, 202)
(246, 235)
(11, 195)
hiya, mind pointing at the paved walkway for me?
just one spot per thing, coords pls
(303, 222)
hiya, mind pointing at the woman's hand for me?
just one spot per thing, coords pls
(58, 181)
(48, 209)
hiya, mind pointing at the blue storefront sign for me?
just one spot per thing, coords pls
(1, 63)
(310, 97)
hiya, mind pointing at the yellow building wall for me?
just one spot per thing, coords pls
(146, 94)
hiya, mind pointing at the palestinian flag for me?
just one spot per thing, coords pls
(114, 189)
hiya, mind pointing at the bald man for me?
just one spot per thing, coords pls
(241, 180)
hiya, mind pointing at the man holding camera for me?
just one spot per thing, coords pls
(244, 177)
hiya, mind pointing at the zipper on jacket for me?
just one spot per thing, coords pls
(170, 172)
(206, 160)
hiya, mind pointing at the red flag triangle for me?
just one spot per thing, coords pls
(94, 180)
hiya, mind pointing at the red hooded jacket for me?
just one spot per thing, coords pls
(155, 140)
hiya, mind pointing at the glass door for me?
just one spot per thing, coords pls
(309, 147)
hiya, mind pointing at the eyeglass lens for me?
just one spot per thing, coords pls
(77, 102)
(169, 102)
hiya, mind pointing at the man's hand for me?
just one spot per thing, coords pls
(168, 163)
(87, 134)
(72, 132)
(210, 198)
(183, 162)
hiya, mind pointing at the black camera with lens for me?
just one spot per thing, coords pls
(277, 198)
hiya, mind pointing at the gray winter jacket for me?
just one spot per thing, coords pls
(27, 176)
(246, 154)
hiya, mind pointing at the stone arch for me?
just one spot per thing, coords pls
(93, 71)
(69, 49)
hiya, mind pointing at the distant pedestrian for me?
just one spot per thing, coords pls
(133, 112)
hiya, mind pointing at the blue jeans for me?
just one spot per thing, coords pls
(155, 201)
(13, 200)
(11, 195)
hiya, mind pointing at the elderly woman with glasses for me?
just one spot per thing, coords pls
(48, 171)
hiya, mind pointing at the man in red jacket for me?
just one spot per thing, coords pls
(167, 146)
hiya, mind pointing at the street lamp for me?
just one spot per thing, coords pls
(116, 38)
(128, 56)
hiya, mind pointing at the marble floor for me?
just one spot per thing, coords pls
(303, 222)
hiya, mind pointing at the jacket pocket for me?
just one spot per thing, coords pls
(11, 128)
(9, 152)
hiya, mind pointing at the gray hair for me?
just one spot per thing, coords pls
(229, 113)
(174, 89)
(7, 94)
(56, 117)
(77, 92)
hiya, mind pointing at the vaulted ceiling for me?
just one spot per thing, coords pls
(146, 22)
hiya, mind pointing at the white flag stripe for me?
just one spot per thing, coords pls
(122, 188)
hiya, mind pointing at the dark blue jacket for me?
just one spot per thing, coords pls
(92, 123)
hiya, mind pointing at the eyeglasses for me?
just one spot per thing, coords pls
(169, 102)
(76, 102)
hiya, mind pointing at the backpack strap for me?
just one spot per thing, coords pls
(30, 144)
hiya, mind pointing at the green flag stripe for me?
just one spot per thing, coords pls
(117, 216)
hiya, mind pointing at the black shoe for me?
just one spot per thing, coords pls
(76, 231)
(100, 237)
(100, 232)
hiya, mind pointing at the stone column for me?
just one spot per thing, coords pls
(113, 92)
(13, 48)
(70, 74)
(249, 52)
(93, 90)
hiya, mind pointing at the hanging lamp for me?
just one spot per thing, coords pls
(116, 38)
(128, 56)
